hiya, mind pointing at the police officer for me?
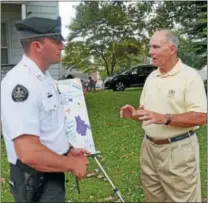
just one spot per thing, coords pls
(33, 121)
(172, 107)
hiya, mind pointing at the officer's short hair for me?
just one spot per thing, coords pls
(27, 42)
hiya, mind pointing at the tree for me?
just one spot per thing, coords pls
(199, 32)
(77, 55)
(105, 30)
(116, 34)
(189, 19)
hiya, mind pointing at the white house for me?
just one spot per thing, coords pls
(11, 12)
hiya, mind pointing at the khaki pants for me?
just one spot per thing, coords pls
(170, 172)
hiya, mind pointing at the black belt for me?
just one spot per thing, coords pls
(29, 170)
(22, 166)
(172, 139)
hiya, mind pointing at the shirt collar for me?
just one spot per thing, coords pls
(173, 71)
(34, 68)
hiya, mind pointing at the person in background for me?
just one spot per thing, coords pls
(93, 80)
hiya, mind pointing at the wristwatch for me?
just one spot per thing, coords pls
(169, 118)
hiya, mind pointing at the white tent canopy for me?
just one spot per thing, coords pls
(203, 73)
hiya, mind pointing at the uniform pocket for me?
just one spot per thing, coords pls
(49, 113)
(16, 183)
(12, 187)
(50, 104)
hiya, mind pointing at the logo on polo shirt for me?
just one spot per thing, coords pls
(171, 93)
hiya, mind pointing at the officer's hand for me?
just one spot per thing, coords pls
(79, 166)
(126, 111)
(79, 152)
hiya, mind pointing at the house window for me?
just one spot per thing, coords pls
(4, 44)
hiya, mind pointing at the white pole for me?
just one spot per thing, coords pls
(106, 175)
(23, 9)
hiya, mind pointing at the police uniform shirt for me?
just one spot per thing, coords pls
(31, 104)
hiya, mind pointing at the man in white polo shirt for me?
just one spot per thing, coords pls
(173, 105)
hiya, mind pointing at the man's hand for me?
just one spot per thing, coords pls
(129, 112)
(126, 111)
(79, 152)
(80, 165)
(150, 117)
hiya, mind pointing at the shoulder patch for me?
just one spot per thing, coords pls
(19, 93)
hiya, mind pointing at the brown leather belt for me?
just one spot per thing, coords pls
(172, 139)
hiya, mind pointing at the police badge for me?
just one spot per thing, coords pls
(20, 93)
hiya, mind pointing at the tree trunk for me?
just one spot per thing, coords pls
(106, 65)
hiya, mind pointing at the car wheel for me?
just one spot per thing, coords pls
(119, 86)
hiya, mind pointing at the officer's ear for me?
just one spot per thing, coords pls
(37, 45)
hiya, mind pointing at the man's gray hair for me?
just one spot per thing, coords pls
(171, 37)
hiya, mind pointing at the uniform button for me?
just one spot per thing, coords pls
(38, 76)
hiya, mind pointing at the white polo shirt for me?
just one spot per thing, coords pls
(31, 104)
(179, 91)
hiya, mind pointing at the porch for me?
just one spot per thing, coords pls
(11, 51)
(11, 12)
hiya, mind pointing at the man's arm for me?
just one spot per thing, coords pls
(189, 119)
(185, 120)
(32, 152)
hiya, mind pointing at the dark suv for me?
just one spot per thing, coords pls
(134, 77)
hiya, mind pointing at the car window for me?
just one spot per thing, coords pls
(139, 70)
(125, 72)
(146, 70)
(134, 71)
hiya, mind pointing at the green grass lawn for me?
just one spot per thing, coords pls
(119, 141)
